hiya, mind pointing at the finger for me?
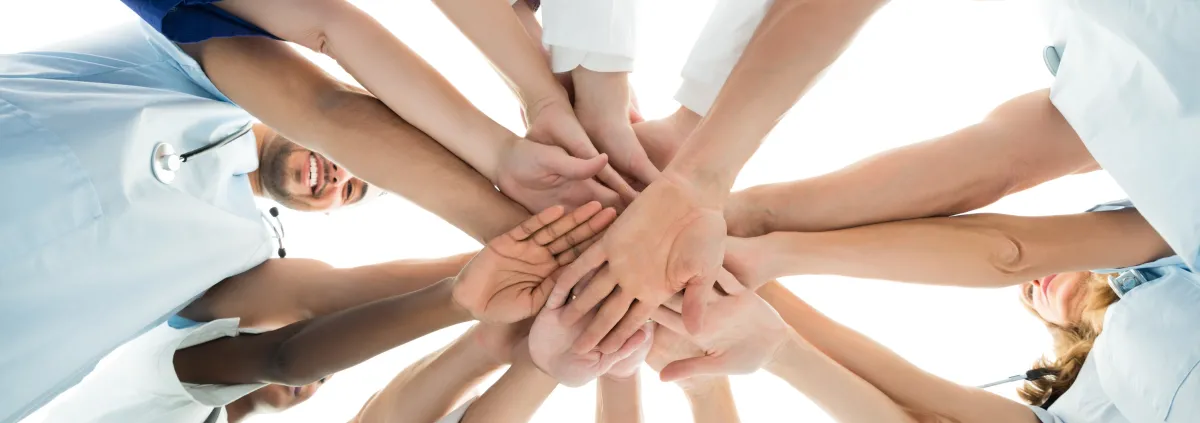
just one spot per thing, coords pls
(675, 303)
(729, 283)
(642, 168)
(538, 221)
(669, 319)
(541, 295)
(692, 366)
(695, 299)
(573, 253)
(632, 322)
(596, 223)
(631, 345)
(597, 290)
(565, 224)
(575, 168)
(610, 313)
(613, 180)
(591, 259)
(606, 196)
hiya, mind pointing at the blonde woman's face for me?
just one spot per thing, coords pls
(1057, 298)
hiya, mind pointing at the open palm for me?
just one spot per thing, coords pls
(509, 280)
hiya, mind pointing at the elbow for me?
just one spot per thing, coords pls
(334, 14)
(1008, 256)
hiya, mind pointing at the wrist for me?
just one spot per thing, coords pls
(750, 212)
(787, 356)
(535, 102)
(601, 98)
(456, 311)
(701, 388)
(709, 189)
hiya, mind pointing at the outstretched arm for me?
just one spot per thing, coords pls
(287, 92)
(280, 292)
(794, 44)
(303, 352)
(516, 396)
(427, 389)
(498, 33)
(1020, 144)
(982, 250)
(903, 382)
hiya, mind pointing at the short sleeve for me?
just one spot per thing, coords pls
(191, 21)
(209, 395)
(1043, 415)
(458, 413)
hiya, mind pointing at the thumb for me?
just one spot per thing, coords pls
(573, 167)
(695, 301)
(689, 367)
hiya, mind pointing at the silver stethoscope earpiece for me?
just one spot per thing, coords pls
(1032, 374)
(164, 163)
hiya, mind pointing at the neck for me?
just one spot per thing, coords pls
(261, 132)
(239, 409)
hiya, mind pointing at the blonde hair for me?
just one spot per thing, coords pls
(1072, 343)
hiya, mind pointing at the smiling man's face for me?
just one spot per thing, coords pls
(301, 179)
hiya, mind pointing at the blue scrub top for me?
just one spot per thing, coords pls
(191, 21)
(94, 249)
(1145, 365)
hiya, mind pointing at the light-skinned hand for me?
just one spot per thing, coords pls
(661, 138)
(741, 335)
(628, 367)
(550, 347)
(665, 242)
(602, 103)
(539, 176)
(498, 339)
(670, 346)
(553, 122)
(509, 280)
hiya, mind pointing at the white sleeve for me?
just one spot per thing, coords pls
(598, 35)
(717, 50)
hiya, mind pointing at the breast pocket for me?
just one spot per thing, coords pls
(1146, 357)
(47, 193)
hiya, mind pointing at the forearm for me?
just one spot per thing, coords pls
(281, 292)
(978, 250)
(794, 44)
(388, 69)
(619, 400)
(515, 397)
(496, 31)
(336, 342)
(903, 382)
(711, 399)
(283, 89)
(842, 394)
(428, 389)
(1021, 144)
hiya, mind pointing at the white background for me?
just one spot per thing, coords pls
(921, 68)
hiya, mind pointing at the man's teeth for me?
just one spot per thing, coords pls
(312, 172)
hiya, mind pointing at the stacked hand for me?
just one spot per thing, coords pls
(509, 280)
(665, 242)
(550, 347)
(741, 335)
(603, 105)
(554, 123)
(539, 176)
(629, 366)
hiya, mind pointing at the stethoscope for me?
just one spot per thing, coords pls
(164, 163)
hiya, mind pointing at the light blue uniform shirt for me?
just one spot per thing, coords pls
(1128, 82)
(95, 250)
(1143, 366)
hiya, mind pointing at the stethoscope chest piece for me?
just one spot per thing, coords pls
(164, 162)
